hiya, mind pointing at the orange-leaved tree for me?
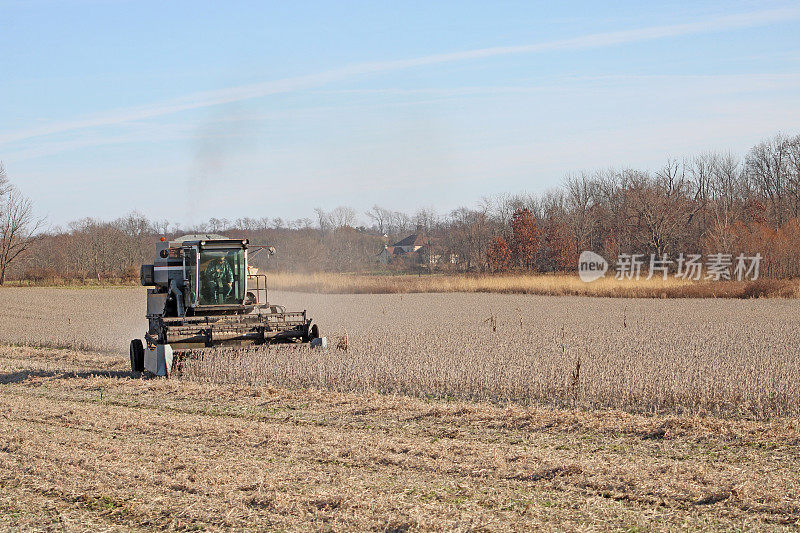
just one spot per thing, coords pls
(525, 238)
(560, 247)
(498, 255)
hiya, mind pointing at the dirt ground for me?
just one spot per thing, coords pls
(87, 445)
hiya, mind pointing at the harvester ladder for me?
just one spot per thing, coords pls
(258, 289)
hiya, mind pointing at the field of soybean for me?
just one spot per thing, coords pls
(723, 357)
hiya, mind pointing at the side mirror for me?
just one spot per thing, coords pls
(271, 250)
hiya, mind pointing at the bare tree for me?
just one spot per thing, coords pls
(426, 219)
(726, 192)
(323, 220)
(262, 224)
(398, 223)
(97, 246)
(793, 171)
(215, 225)
(580, 199)
(5, 187)
(18, 228)
(659, 208)
(245, 224)
(381, 217)
(135, 227)
(502, 208)
(343, 217)
(467, 239)
(767, 166)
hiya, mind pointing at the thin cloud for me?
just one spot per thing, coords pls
(728, 82)
(682, 85)
(293, 84)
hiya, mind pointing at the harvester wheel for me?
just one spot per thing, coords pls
(311, 333)
(137, 355)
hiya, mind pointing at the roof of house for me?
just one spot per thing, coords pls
(396, 250)
(412, 240)
(393, 250)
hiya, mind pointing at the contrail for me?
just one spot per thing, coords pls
(286, 85)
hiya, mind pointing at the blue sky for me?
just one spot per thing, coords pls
(190, 110)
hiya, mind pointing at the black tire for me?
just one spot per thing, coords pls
(311, 333)
(137, 355)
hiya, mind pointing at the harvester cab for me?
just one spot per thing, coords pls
(203, 294)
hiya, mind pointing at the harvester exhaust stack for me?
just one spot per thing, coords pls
(205, 294)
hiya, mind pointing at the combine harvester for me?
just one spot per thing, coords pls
(204, 295)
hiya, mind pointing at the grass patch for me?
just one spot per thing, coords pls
(540, 284)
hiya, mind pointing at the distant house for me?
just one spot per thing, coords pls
(412, 248)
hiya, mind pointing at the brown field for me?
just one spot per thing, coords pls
(446, 411)
(541, 284)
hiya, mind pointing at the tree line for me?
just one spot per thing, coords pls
(708, 204)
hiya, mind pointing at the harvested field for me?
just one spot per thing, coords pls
(682, 414)
(100, 319)
(86, 445)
